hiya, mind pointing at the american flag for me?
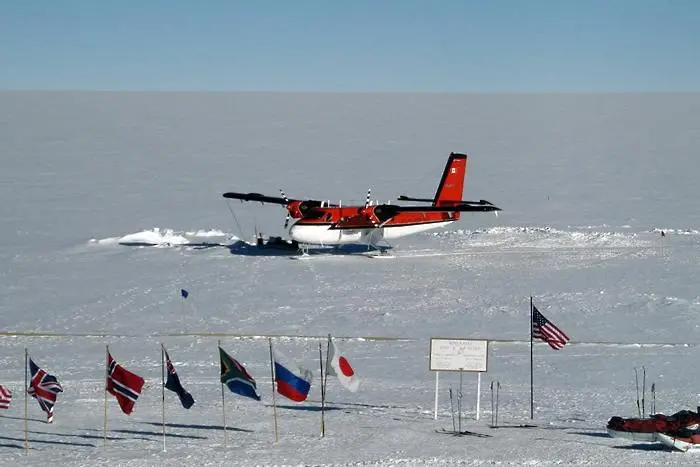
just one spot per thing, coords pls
(5, 397)
(544, 329)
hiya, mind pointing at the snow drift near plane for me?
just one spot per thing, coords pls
(323, 223)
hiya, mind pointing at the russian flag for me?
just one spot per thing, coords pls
(293, 382)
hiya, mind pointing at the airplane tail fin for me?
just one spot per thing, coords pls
(451, 187)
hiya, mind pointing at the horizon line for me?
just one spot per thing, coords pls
(262, 91)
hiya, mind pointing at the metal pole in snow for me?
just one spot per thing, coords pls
(498, 387)
(223, 404)
(162, 378)
(478, 394)
(274, 396)
(532, 391)
(323, 392)
(104, 442)
(459, 402)
(492, 406)
(437, 381)
(26, 387)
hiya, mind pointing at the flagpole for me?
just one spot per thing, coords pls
(274, 396)
(532, 399)
(26, 389)
(162, 378)
(325, 378)
(223, 403)
(323, 391)
(104, 429)
(328, 350)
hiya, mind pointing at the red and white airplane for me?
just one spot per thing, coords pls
(322, 223)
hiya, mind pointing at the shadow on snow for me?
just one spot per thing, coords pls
(308, 408)
(43, 420)
(45, 441)
(643, 447)
(241, 248)
(160, 433)
(196, 427)
(11, 446)
(84, 436)
(594, 434)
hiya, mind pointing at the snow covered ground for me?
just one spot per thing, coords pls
(112, 203)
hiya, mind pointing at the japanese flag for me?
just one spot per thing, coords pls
(339, 366)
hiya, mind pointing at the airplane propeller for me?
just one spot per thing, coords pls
(284, 197)
(365, 211)
(288, 216)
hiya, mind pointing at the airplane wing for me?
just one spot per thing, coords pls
(378, 215)
(481, 205)
(257, 197)
(464, 206)
(420, 200)
(284, 201)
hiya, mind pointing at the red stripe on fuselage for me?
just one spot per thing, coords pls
(400, 220)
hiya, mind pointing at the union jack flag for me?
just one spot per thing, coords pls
(544, 329)
(44, 388)
(5, 397)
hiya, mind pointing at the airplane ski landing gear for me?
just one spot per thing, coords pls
(303, 252)
(379, 251)
(304, 249)
(379, 255)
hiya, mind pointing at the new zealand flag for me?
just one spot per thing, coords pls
(173, 383)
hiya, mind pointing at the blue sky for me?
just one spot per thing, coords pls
(360, 45)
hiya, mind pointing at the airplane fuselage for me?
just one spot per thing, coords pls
(323, 223)
(323, 234)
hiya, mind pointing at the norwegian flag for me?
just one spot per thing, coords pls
(44, 388)
(123, 384)
(5, 397)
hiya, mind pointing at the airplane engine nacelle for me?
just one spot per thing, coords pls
(299, 209)
(380, 213)
(294, 211)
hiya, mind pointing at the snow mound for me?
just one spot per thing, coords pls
(547, 238)
(676, 231)
(164, 238)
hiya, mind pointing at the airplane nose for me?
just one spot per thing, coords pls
(294, 233)
(312, 234)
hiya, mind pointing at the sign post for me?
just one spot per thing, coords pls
(459, 355)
